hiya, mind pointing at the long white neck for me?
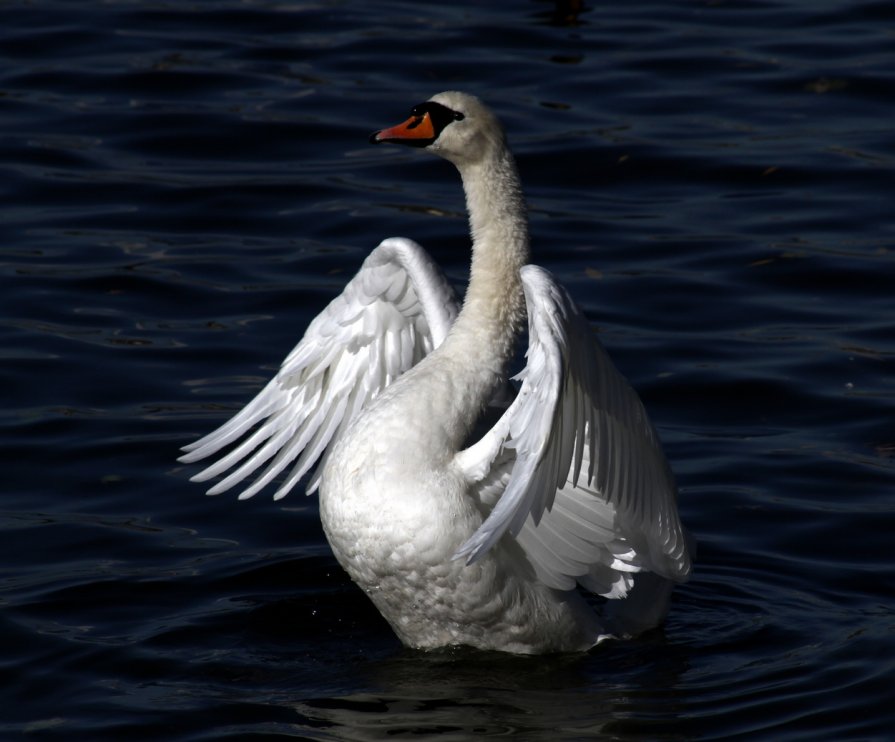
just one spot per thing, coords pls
(482, 339)
(498, 222)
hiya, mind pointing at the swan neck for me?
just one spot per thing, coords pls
(498, 217)
(498, 222)
(483, 338)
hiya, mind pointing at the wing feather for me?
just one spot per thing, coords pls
(396, 309)
(590, 496)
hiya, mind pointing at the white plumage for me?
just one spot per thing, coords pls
(458, 535)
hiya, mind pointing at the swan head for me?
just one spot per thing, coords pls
(453, 125)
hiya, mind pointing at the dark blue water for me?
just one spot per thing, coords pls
(184, 185)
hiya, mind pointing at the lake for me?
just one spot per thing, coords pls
(185, 185)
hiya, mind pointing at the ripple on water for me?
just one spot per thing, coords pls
(186, 186)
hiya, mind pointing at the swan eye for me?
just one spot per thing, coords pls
(440, 115)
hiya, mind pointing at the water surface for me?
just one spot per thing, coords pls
(184, 186)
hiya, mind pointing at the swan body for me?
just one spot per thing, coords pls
(460, 535)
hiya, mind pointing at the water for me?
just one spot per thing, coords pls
(185, 185)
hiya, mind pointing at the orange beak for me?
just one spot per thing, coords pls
(416, 131)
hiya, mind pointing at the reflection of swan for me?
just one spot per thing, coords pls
(478, 544)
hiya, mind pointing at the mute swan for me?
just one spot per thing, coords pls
(457, 542)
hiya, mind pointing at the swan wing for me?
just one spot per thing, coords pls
(396, 309)
(588, 495)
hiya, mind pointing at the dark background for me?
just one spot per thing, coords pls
(184, 185)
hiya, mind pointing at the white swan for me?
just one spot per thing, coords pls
(479, 544)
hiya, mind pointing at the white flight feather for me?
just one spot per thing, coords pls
(396, 309)
(589, 486)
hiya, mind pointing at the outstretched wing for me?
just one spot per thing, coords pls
(396, 309)
(588, 495)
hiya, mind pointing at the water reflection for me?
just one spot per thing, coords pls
(563, 13)
(460, 693)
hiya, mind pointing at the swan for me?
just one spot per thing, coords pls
(462, 535)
